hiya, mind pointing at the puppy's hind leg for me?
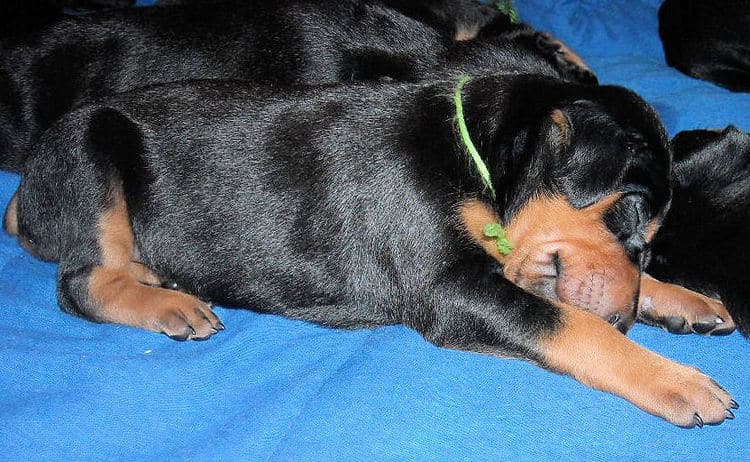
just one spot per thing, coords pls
(116, 289)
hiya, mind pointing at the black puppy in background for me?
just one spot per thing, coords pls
(357, 206)
(709, 40)
(703, 243)
(48, 71)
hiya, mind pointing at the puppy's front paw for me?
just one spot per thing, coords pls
(682, 311)
(688, 398)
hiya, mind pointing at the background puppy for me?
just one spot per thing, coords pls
(703, 241)
(291, 42)
(358, 206)
(708, 40)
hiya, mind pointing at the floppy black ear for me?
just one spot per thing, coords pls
(687, 143)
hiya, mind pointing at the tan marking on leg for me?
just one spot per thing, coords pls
(465, 33)
(121, 299)
(667, 305)
(143, 274)
(10, 223)
(594, 353)
(116, 236)
(652, 229)
(117, 287)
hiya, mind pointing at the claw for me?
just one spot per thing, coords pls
(698, 421)
(734, 405)
(728, 414)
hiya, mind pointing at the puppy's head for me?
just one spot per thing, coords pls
(582, 185)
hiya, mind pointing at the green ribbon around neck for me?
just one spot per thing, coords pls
(506, 7)
(491, 230)
(463, 131)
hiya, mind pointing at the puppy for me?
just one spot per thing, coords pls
(49, 71)
(360, 206)
(708, 40)
(703, 242)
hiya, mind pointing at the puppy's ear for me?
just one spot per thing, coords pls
(558, 131)
(687, 143)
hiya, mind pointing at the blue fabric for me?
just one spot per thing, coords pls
(272, 389)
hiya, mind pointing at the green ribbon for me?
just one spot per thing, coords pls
(506, 7)
(491, 230)
(464, 132)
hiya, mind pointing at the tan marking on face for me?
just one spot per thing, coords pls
(10, 222)
(563, 125)
(652, 228)
(465, 33)
(597, 274)
(475, 214)
(660, 300)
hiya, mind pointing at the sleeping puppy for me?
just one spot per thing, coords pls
(363, 205)
(703, 242)
(47, 72)
(708, 40)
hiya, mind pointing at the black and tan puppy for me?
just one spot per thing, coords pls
(46, 72)
(703, 243)
(360, 206)
(709, 40)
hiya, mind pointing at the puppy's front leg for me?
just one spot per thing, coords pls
(481, 312)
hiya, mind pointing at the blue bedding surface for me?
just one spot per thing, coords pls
(268, 388)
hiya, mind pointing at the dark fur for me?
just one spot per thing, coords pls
(708, 40)
(703, 243)
(47, 72)
(310, 170)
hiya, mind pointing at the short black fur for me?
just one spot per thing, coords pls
(708, 40)
(703, 243)
(326, 204)
(47, 71)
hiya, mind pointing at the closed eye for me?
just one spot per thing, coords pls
(628, 220)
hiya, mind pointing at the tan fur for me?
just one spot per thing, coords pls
(590, 252)
(659, 300)
(475, 214)
(593, 352)
(465, 33)
(597, 273)
(563, 125)
(122, 291)
(11, 216)
(570, 56)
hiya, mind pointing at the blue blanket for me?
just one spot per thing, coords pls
(268, 388)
